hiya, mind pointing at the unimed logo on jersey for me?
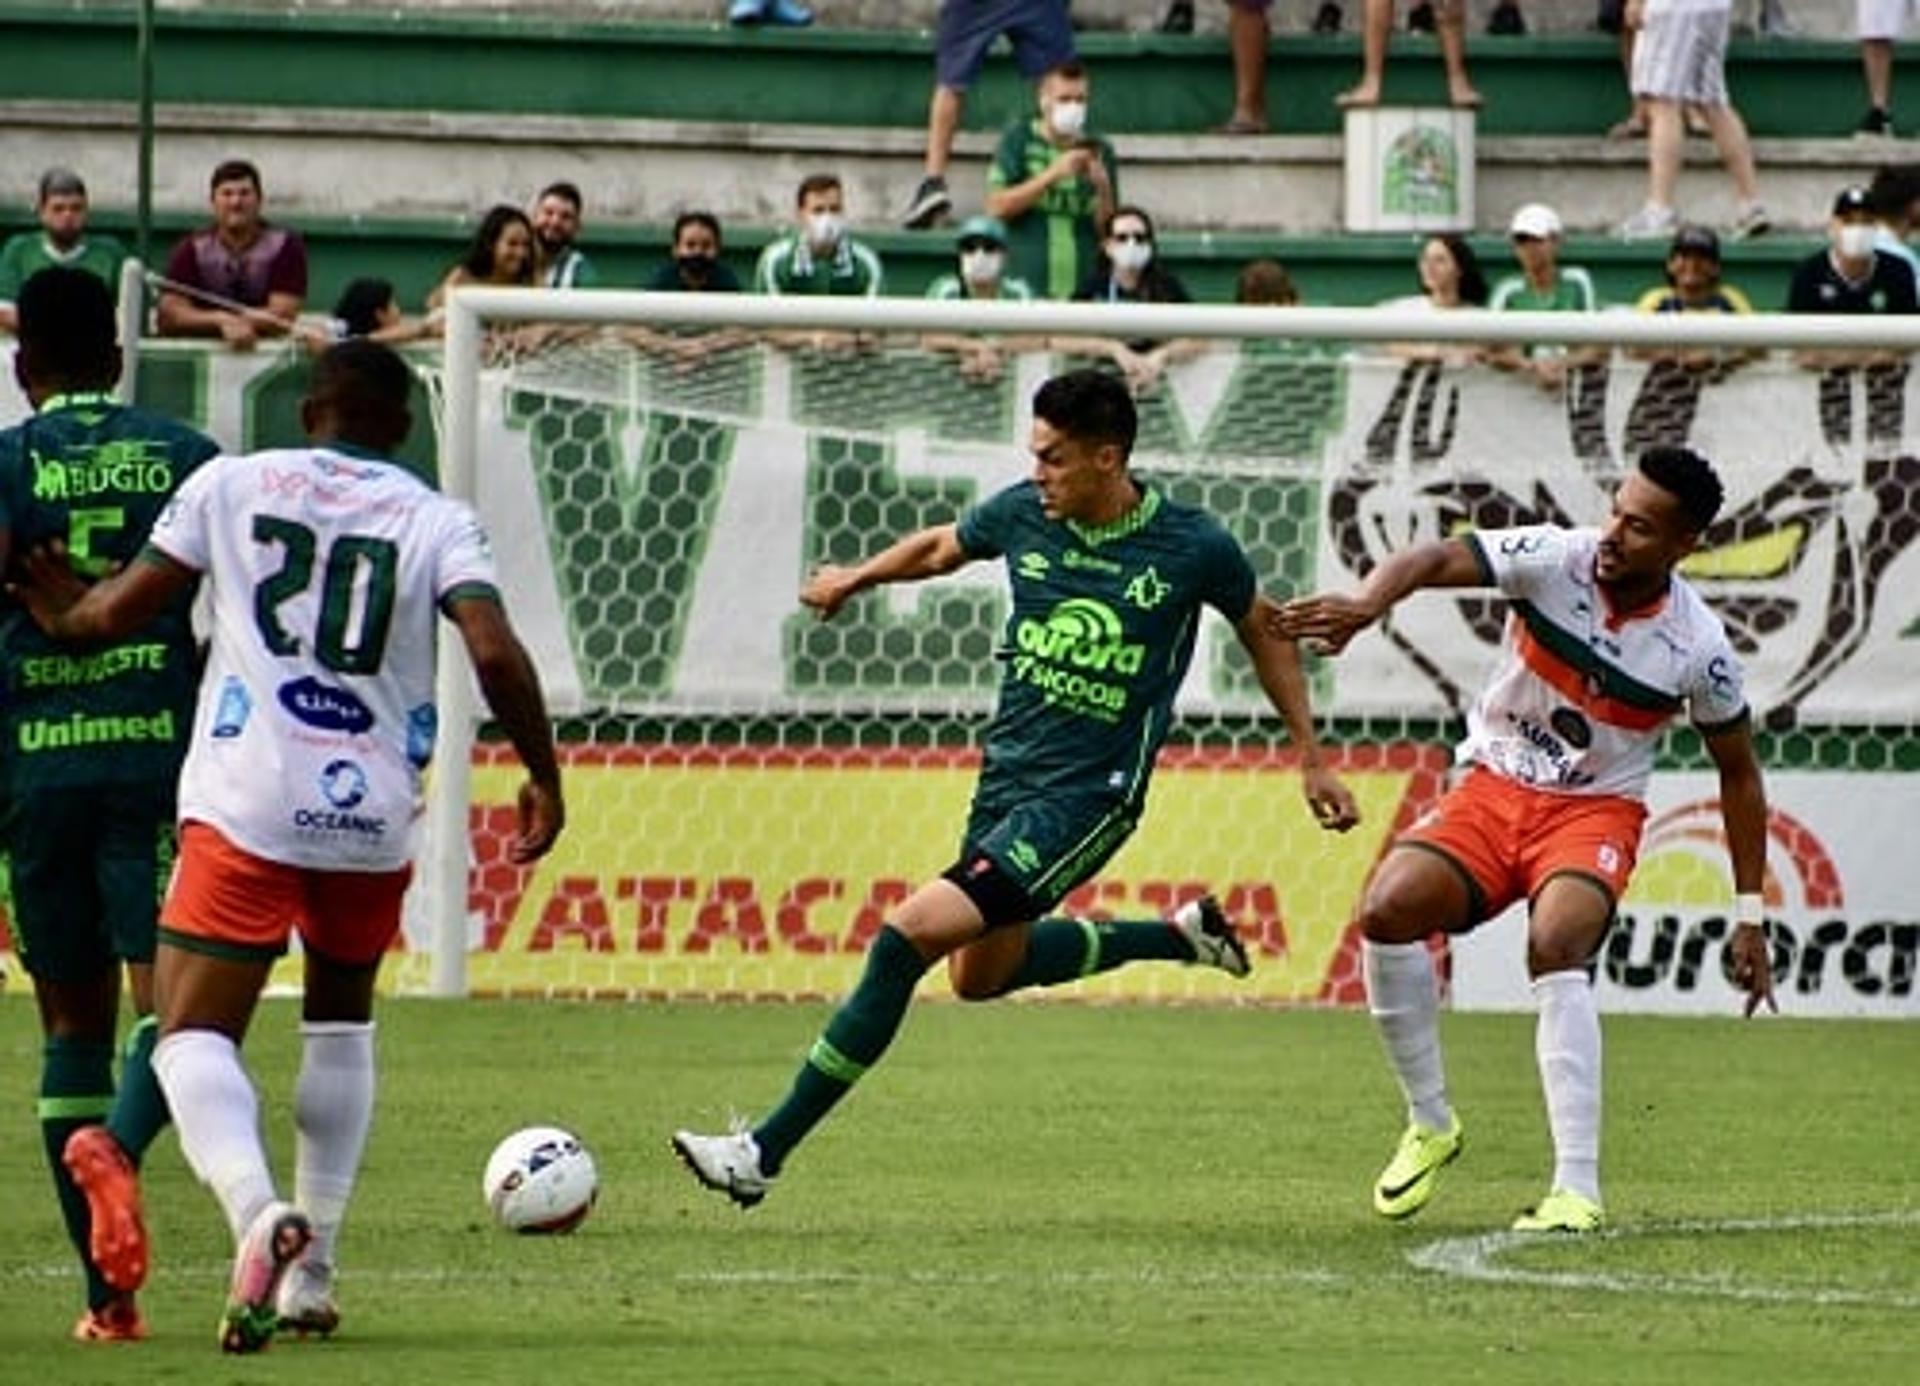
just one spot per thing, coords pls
(1675, 922)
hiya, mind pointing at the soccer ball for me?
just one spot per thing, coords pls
(540, 1179)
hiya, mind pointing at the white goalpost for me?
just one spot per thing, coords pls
(749, 790)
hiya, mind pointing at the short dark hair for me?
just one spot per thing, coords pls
(813, 183)
(564, 190)
(697, 218)
(1894, 189)
(1689, 478)
(1072, 69)
(1265, 281)
(365, 385)
(478, 261)
(360, 304)
(1090, 406)
(234, 171)
(68, 334)
(60, 182)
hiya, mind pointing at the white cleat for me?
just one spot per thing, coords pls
(1212, 936)
(729, 1164)
(306, 1303)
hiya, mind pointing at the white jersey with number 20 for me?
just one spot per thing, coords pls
(328, 569)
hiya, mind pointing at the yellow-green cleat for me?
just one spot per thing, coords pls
(1407, 1182)
(1563, 1210)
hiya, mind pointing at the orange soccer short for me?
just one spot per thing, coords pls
(226, 901)
(1509, 839)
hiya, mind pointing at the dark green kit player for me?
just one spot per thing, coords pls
(1108, 578)
(93, 743)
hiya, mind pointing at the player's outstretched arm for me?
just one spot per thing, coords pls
(66, 608)
(1276, 662)
(1330, 619)
(512, 688)
(1743, 811)
(923, 554)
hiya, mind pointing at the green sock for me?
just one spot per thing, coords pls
(139, 1108)
(76, 1088)
(855, 1038)
(1065, 950)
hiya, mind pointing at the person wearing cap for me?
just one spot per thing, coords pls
(1680, 64)
(1544, 285)
(1693, 278)
(982, 248)
(1664, 409)
(1850, 276)
(61, 240)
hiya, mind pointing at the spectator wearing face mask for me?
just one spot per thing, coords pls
(818, 256)
(1850, 276)
(1129, 272)
(696, 266)
(1054, 183)
(982, 275)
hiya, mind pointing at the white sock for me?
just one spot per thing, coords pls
(218, 1116)
(1406, 1009)
(1567, 1044)
(332, 1107)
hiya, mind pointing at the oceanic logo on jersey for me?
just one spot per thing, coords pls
(344, 783)
(1063, 655)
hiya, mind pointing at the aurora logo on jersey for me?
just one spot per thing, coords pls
(326, 707)
(1080, 637)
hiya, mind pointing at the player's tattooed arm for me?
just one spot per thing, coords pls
(1326, 621)
(923, 554)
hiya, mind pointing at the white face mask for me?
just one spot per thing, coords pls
(982, 266)
(1853, 241)
(824, 229)
(1068, 118)
(1131, 256)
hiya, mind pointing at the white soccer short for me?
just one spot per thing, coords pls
(1884, 19)
(1682, 56)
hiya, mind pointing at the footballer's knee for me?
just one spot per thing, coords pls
(971, 978)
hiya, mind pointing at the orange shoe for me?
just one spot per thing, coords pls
(116, 1321)
(102, 1171)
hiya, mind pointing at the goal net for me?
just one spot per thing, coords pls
(750, 790)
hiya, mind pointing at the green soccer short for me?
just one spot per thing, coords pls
(86, 869)
(1019, 859)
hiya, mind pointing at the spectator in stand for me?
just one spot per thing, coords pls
(1450, 277)
(1130, 272)
(1042, 37)
(1248, 33)
(1879, 23)
(1895, 197)
(501, 254)
(1850, 276)
(1543, 285)
(1693, 285)
(982, 274)
(818, 256)
(1265, 283)
(1693, 278)
(367, 308)
(1680, 59)
(1054, 184)
(556, 224)
(241, 278)
(61, 240)
(1450, 22)
(696, 266)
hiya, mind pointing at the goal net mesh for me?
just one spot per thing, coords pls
(750, 789)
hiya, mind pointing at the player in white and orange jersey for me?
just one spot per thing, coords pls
(1605, 645)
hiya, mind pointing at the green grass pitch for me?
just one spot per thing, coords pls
(1053, 1193)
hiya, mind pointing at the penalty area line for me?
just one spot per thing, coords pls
(1478, 1258)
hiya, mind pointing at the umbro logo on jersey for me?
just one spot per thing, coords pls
(1034, 565)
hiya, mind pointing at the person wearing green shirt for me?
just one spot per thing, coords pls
(981, 274)
(94, 738)
(560, 264)
(1055, 184)
(61, 240)
(1543, 285)
(818, 256)
(1108, 577)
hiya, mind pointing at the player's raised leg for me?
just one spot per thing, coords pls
(935, 920)
(1569, 918)
(1055, 951)
(1415, 893)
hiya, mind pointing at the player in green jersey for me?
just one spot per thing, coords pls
(93, 742)
(1108, 577)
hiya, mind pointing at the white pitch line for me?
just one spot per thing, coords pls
(1475, 1258)
(1038, 1279)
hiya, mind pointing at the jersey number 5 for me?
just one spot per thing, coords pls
(346, 640)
